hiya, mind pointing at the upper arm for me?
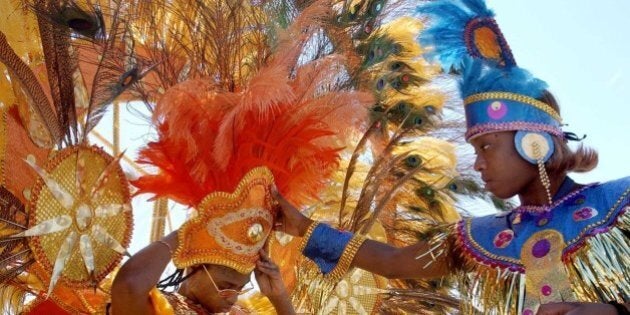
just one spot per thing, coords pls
(126, 300)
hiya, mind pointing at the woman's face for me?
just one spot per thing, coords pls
(205, 293)
(504, 171)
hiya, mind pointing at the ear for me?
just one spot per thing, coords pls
(534, 146)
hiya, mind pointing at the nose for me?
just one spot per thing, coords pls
(480, 163)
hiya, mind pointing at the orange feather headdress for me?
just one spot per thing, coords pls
(290, 117)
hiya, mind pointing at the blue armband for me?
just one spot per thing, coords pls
(325, 246)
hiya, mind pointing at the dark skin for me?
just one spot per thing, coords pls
(505, 173)
(200, 290)
(139, 275)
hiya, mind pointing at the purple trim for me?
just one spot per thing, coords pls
(541, 209)
(470, 249)
(572, 248)
(481, 129)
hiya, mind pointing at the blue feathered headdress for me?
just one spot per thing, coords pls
(462, 28)
(501, 99)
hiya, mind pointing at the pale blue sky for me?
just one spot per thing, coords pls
(581, 48)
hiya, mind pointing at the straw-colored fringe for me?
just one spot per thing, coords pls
(12, 299)
(600, 269)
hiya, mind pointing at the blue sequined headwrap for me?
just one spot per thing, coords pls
(501, 99)
(498, 95)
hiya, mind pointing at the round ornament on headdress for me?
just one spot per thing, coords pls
(534, 146)
(230, 228)
(485, 40)
(80, 222)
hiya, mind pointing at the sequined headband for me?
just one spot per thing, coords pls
(503, 111)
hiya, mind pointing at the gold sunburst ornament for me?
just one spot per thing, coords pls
(80, 220)
(359, 292)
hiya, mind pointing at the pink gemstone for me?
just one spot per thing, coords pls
(497, 110)
(546, 290)
(503, 239)
(584, 214)
(528, 312)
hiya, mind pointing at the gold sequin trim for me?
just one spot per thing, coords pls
(513, 97)
(307, 236)
(3, 143)
(483, 250)
(346, 258)
(611, 212)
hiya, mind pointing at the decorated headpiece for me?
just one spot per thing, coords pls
(498, 99)
(66, 212)
(221, 148)
(498, 95)
(461, 28)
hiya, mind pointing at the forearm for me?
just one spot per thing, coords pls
(282, 304)
(139, 275)
(335, 251)
(415, 261)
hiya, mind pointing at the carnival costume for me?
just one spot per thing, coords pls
(574, 249)
(238, 103)
(66, 213)
(225, 139)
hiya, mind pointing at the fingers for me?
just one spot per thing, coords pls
(266, 265)
(269, 269)
(283, 203)
(263, 255)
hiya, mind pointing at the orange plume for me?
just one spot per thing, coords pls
(290, 116)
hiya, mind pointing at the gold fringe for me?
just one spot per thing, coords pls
(12, 299)
(483, 289)
(600, 269)
(116, 129)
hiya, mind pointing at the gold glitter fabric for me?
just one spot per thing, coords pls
(230, 228)
(579, 251)
(81, 221)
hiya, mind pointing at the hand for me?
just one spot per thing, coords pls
(576, 308)
(269, 278)
(289, 219)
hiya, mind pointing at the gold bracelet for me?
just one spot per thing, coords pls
(170, 249)
(346, 259)
(307, 235)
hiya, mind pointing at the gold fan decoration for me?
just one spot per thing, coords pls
(359, 292)
(80, 221)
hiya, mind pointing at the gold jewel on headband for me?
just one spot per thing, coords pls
(230, 228)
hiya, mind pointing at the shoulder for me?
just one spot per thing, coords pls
(490, 240)
(611, 190)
